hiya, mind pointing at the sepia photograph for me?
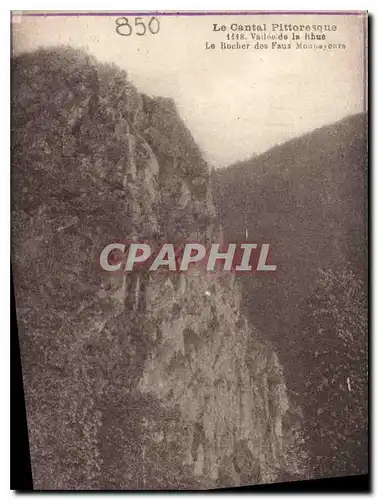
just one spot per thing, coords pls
(189, 247)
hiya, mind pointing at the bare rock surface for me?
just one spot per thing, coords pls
(170, 390)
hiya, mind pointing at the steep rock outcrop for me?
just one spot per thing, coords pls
(168, 390)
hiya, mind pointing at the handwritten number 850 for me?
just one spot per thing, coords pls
(124, 28)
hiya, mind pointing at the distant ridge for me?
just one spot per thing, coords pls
(308, 199)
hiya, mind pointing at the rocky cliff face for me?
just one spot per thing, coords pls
(131, 382)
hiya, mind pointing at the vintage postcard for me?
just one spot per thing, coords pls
(189, 246)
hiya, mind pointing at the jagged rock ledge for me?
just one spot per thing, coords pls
(174, 391)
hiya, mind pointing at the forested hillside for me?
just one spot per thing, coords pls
(308, 199)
